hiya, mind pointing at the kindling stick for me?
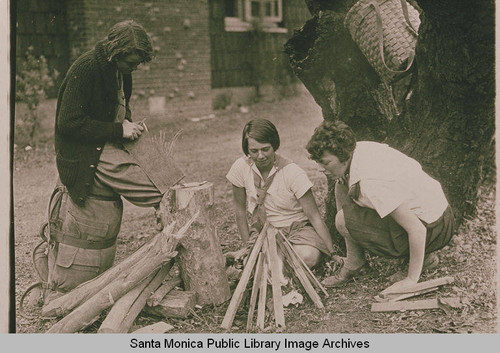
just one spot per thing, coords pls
(242, 284)
(261, 310)
(255, 289)
(301, 275)
(308, 270)
(279, 315)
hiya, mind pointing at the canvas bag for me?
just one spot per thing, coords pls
(386, 32)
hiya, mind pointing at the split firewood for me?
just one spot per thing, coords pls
(308, 271)
(293, 261)
(158, 327)
(242, 284)
(272, 256)
(255, 288)
(415, 304)
(162, 291)
(122, 315)
(64, 304)
(89, 311)
(261, 308)
(177, 304)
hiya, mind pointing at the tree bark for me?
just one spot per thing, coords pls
(201, 262)
(446, 106)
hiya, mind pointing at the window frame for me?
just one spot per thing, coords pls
(244, 21)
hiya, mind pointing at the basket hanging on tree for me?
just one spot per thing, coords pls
(386, 32)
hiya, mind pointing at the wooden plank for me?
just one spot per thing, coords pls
(255, 288)
(279, 314)
(261, 310)
(162, 291)
(242, 284)
(158, 327)
(310, 274)
(301, 275)
(423, 285)
(412, 305)
(177, 303)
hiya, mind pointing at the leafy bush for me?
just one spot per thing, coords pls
(33, 80)
(222, 101)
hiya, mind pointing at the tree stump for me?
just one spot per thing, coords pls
(200, 260)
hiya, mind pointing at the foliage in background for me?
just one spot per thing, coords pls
(33, 80)
(222, 101)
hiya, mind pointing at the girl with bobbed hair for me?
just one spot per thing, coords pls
(386, 204)
(267, 186)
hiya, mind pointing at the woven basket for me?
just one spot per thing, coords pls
(386, 32)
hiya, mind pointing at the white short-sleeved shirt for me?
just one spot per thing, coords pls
(281, 203)
(388, 178)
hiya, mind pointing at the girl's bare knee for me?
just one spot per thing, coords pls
(310, 255)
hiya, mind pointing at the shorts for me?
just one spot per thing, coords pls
(385, 237)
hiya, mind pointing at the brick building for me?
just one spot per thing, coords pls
(200, 45)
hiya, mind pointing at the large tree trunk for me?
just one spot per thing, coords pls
(445, 108)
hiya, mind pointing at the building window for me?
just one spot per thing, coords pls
(242, 15)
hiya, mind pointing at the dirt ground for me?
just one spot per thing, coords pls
(205, 151)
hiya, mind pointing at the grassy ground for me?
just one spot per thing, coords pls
(205, 151)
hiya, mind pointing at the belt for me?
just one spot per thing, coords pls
(57, 236)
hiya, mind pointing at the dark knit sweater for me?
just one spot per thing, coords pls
(86, 108)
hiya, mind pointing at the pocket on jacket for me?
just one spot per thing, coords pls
(68, 170)
(84, 259)
(73, 267)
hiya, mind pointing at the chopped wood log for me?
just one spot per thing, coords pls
(423, 285)
(255, 288)
(159, 327)
(308, 271)
(412, 305)
(122, 315)
(201, 262)
(86, 313)
(63, 305)
(272, 256)
(162, 291)
(293, 261)
(177, 304)
(242, 284)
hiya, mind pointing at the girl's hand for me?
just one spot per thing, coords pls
(131, 131)
(404, 286)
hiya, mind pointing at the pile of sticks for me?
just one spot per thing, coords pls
(125, 287)
(262, 258)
